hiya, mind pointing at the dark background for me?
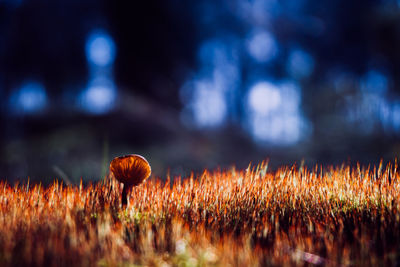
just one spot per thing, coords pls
(196, 84)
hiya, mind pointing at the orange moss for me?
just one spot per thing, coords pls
(293, 216)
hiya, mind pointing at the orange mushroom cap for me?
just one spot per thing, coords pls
(130, 170)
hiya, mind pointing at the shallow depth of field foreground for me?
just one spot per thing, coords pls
(294, 216)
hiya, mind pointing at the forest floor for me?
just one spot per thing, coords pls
(254, 217)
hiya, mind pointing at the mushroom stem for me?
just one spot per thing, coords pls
(125, 191)
(129, 170)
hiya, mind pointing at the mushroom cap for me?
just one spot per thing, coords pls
(130, 170)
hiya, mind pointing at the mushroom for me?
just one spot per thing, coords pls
(130, 170)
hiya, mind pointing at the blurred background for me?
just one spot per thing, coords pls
(196, 84)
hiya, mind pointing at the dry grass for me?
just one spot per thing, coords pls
(294, 216)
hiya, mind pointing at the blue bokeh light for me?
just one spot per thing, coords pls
(291, 96)
(274, 115)
(395, 121)
(300, 64)
(30, 98)
(216, 53)
(282, 129)
(374, 82)
(209, 96)
(100, 48)
(99, 97)
(264, 97)
(370, 108)
(262, 46)
(258, 12)
(209, 105)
